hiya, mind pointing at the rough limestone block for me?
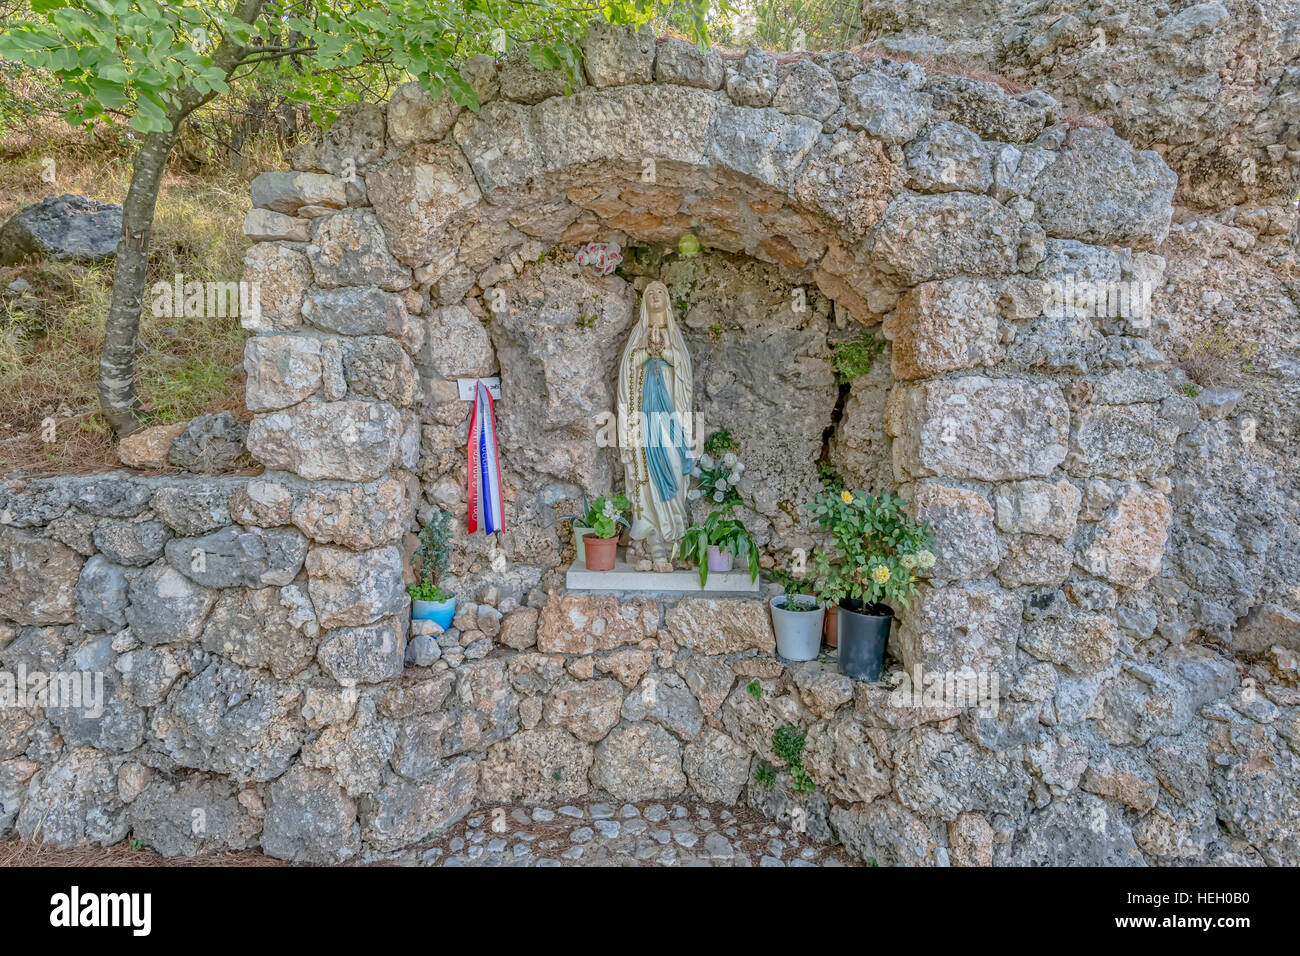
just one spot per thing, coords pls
(975, 427)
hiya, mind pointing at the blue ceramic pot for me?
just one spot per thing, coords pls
(440, 612)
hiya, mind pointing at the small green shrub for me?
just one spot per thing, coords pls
(434, 555)
(856, 357)
(788, 743)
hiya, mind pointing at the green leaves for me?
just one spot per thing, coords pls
(788, 742)
(154, 59)
(607, 514)
(134, 56)
(876, 548)
(434, 550)
(725, 533)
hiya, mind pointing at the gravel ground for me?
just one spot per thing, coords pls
(641, 834)
(590, 834)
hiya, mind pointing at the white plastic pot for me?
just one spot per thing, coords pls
(798, 633)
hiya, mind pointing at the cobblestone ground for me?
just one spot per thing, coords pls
(643, 834)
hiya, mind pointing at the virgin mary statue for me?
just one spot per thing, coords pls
(654, 415)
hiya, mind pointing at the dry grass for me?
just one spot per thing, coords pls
(1217, 357)
(49, 349)
(17, 853)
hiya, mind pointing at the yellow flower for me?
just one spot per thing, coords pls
(846, 497)
(881, 574)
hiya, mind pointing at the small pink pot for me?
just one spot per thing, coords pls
(720, 562)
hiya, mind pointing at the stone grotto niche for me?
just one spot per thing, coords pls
(761, 344)
(942, 211)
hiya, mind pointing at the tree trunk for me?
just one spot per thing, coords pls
(117, 395)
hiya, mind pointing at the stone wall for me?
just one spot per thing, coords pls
(1215, 89)
(1038, 442)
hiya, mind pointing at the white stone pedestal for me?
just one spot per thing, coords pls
(626, 578)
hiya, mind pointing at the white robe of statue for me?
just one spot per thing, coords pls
(656, 346)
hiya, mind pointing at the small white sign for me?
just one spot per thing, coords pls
(468, 386)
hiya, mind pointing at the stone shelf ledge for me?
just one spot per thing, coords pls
(625, 578)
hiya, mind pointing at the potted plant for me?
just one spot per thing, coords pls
(718, 471)
(871, 565)
(715, 544)
(429, 602)
(581, 529)
(833, 482)
(796, 618)
(605, 517)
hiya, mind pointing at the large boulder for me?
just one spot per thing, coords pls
(67, 228)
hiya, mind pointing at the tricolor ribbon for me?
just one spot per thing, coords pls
(484, 468)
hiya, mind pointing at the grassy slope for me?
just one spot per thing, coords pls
(49, 353)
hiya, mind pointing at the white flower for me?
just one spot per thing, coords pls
(694, 494)
(740, 467)
(695, 471)
(610, 510)
(734, 478)
(706, 461)
(729, 459)
(908, 561)
(925, 559)
(720, 484)
(719, 497)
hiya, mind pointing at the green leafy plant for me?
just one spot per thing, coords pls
(807, 583)
(831, 479)
(715, 331)
(718, 472)
(724, 533)
(876, 549)
(765, 775)
(755, 689)
(434, 555)
(788, 743)
(1191, 389)
(720, 442)
(580, 518)
(855, 357)
(607, 514)
(427, 591)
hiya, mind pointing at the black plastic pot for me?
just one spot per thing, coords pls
(863, 635)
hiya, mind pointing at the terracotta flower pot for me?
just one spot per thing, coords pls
(831, 630)
(601, 552)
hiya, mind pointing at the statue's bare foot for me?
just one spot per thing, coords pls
(663, 565)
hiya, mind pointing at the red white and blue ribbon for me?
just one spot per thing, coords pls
(485, 509)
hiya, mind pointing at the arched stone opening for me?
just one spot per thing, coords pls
(946, 212)
(1025, 417)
